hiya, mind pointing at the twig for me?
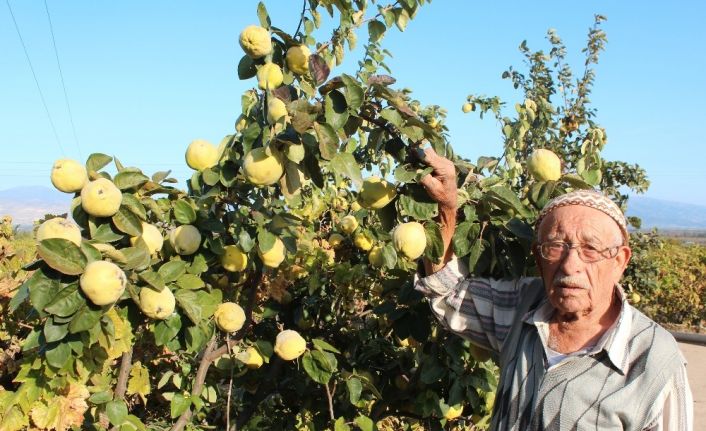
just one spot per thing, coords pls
(329, 395)
(198, 383)
(123, 374)
(230, 387)
(301, 19)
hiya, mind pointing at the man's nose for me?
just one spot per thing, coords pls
(572, 261)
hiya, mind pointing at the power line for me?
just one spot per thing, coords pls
(41, 95)
(61, 74)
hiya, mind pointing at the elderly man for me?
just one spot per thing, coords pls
(573, 353)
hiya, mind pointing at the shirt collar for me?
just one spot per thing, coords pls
(614, 341)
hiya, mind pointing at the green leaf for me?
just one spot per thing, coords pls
(355, 94)
(435, 244)
(105, 234)
(97, 161)
(179, 404)
(42, 290)
(263, 16)
(198, 265)
(520, 228)
(134, 205)
(153, 279)
(324, 346)
(418, 206)
(336, 109)
(92, 254)
(389, 256)
(166, 330)
(354, 389)
(62, 255)
(376, 30)
(58, 355)
(190, 282)
(341, 425)
(66, 302)
(101, 397)
(462, 239)
(328, 140)
(136, 257)
(126, 221)
(116, 411)
(577, 182)
(401, 18)
(265, 240)
(317, 366)
(364, 423)
(85, 318)
(592, 176)
(54, 332)
(476, 250)
(504, 198)
(196, 338)
(184, 213)
(246, 68)
(127, 180)
(346, 165)
(20, 297)
(172, 270)
(188, 301)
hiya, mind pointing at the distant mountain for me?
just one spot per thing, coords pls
(26, 204)
(666, 214)
(29, 203)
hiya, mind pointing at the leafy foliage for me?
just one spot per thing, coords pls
(375, 356)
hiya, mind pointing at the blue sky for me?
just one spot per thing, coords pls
(145, 78)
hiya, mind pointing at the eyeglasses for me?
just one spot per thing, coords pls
(554, 251)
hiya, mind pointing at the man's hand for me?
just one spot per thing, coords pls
(441, 186)
(441, 183)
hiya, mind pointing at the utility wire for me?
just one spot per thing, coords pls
(63, 85)
(41, 95)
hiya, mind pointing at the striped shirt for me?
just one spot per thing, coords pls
(633, 378)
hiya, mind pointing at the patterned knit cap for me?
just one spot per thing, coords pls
(587, 198)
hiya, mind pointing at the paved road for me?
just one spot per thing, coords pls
(696, 370)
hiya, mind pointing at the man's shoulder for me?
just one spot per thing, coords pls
(651, 341)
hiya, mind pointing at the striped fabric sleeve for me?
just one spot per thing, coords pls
(674, 408)
(480, 310)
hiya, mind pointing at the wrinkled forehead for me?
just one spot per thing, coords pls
(577, 223)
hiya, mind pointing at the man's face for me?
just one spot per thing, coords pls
(574, 286)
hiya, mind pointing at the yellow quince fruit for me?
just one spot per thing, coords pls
(269, 76)
(233, 259)
(229, 317)
(544, 165)
(335, 240)
(289, 345)
(102, 282)
(255, 41)
(68, 175)
(363, 241)
(348, 224)
(273, 257)
(262, 169)
(201, 154)
(151, 236)
(376, 193)
(251, 358)
(185, 239)
(375, 256)
(157, 305)
(409, 239)
(298, 59)
(468, 107)
(100, 198)
(59, 227)
(276, 110)
(453, 412)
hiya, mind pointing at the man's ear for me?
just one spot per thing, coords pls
(621, 260)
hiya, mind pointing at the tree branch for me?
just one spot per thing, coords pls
(301, 19)
(123, 375)
(329, 396)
